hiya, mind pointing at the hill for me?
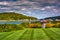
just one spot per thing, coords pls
(14, 16)
(55, 17)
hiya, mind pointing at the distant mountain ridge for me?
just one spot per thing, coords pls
(55, 17)
(14, 16)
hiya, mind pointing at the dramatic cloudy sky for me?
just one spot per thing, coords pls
(36, 8)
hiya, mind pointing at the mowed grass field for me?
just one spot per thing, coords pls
(32, 34)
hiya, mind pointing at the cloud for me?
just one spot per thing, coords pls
(42, 9)
(32, 7)
(5, 8)
(4, 3)
(23, 9)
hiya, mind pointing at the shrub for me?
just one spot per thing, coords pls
(57, 25)
(48, 25)
(34, 25)
(9, 27)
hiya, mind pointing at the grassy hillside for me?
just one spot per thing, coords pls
(32, 34)
(14, 16)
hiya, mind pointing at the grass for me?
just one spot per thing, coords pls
(32, 34)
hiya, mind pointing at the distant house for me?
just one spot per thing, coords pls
(57, 19)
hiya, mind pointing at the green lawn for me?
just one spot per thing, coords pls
(32, 34)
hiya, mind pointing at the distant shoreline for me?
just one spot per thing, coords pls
(16, 20)
(10, 20)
